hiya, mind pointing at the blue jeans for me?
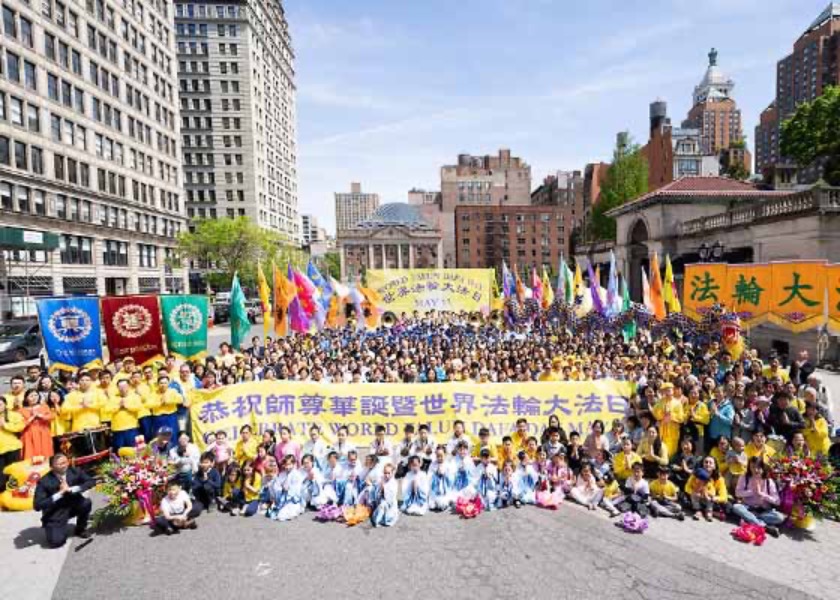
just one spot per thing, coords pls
(757, 516)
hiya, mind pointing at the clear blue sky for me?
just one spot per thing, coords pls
(391, 90)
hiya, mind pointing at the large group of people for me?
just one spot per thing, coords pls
(695, 440)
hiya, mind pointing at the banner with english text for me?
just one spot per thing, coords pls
(270, 404)
(407, 290)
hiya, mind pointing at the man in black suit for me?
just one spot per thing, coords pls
(59, 498)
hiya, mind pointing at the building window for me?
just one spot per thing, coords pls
(115, 254)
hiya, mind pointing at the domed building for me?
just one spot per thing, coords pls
(395, 236)
(715, 114)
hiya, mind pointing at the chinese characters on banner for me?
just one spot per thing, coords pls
(704, 287)
(132, 327)
(268, 405)
(798, 299)
(832, 282)
(408, 290)
(790, 294)
(747, 292)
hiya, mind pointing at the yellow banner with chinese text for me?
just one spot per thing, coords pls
(747, 292)
(704, 287)
(797, 302)
(407, 290)
(298, 405)
(832, 282)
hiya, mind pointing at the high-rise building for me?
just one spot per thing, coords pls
(237, 90)
(500, 180)
(309, 230)
(354, 207)
(801, 76)
(89, 150)
(714, 111)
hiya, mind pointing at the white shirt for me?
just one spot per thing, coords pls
(175, 507)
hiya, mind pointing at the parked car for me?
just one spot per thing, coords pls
(221, 312)
(19, 340)
(255, 311)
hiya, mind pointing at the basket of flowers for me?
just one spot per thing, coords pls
(133, 487)
(803, 488)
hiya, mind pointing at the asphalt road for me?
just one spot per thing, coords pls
(518, 554)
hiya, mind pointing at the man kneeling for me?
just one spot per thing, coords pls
(177, 511)
(59, 498)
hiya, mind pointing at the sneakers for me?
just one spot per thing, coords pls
(772, 530)
(680, 517)
(192, 525)
(695, 516)
(235, 512)
(84, 534)
(517, 504)
(708, 517)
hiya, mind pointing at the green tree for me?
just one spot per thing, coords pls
(734, 170)
(627, 178)
(226, 246)
(813, 132)
(332, 260)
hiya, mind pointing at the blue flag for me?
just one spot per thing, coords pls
(71, 331)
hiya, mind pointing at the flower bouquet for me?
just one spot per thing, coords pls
(133, 486)
(803, 485)
(468, 508)
(750, 534)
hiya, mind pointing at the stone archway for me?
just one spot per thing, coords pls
(637, 257)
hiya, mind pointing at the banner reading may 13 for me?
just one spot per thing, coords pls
(433, 289)
(497, 406)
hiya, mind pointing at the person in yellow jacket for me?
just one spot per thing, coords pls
(668, 412)
(816, 431)
(84, 406)
(623, 461)
(11, 424)
(104, 381)
(697, 413)
(144, 415)
(758, 447)
(123, 409)
(163, 402)
(17, 390)
(246, 446)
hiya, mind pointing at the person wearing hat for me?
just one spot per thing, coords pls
(162, 445)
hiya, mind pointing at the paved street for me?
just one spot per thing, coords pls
(528, 553)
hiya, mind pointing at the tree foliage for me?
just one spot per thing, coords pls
(813, 132)
(227, 246)
(332, 260)
(736, 169)
(627, 178)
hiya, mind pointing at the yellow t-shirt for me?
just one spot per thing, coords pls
(9, 432)
(246, 451)
(769, 452)
(623, 464)
(667, 490)
(255, 495)
(84, 417)
(125, 417)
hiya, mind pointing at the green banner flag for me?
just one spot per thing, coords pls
(185, 325)
(240, 324)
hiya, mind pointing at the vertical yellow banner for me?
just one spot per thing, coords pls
(705, 286)
(798, 299)
(832, 282)
(748, 289)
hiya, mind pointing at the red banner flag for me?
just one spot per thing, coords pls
(132, 328)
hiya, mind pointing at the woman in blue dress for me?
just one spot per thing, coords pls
(335, 479)
(312, 484)
(283, 493)
(487, 480)
(383, 499)
(464, 471)
(525, 480)
(415, 489)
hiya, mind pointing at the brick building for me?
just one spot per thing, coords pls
(801, 76)
(501, 180)
(522, 236)
(354, 207)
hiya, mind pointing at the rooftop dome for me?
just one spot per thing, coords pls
(395, 214)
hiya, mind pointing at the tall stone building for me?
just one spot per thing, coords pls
(237, 90)
(801, 76)
(500, 180)
(89, 165)
(354, 207)
(714, 111)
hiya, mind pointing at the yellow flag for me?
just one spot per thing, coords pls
(548, 292)
(669, 292)
(578, 280)
(284, 292)
(265, 293)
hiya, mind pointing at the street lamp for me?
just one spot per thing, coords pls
(713, 253)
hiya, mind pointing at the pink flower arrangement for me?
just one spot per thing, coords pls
(803, 484)
(133, 485)
(750, 534)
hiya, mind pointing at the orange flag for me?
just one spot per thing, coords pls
(656, 296)
(284, 292)
(370, 305)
